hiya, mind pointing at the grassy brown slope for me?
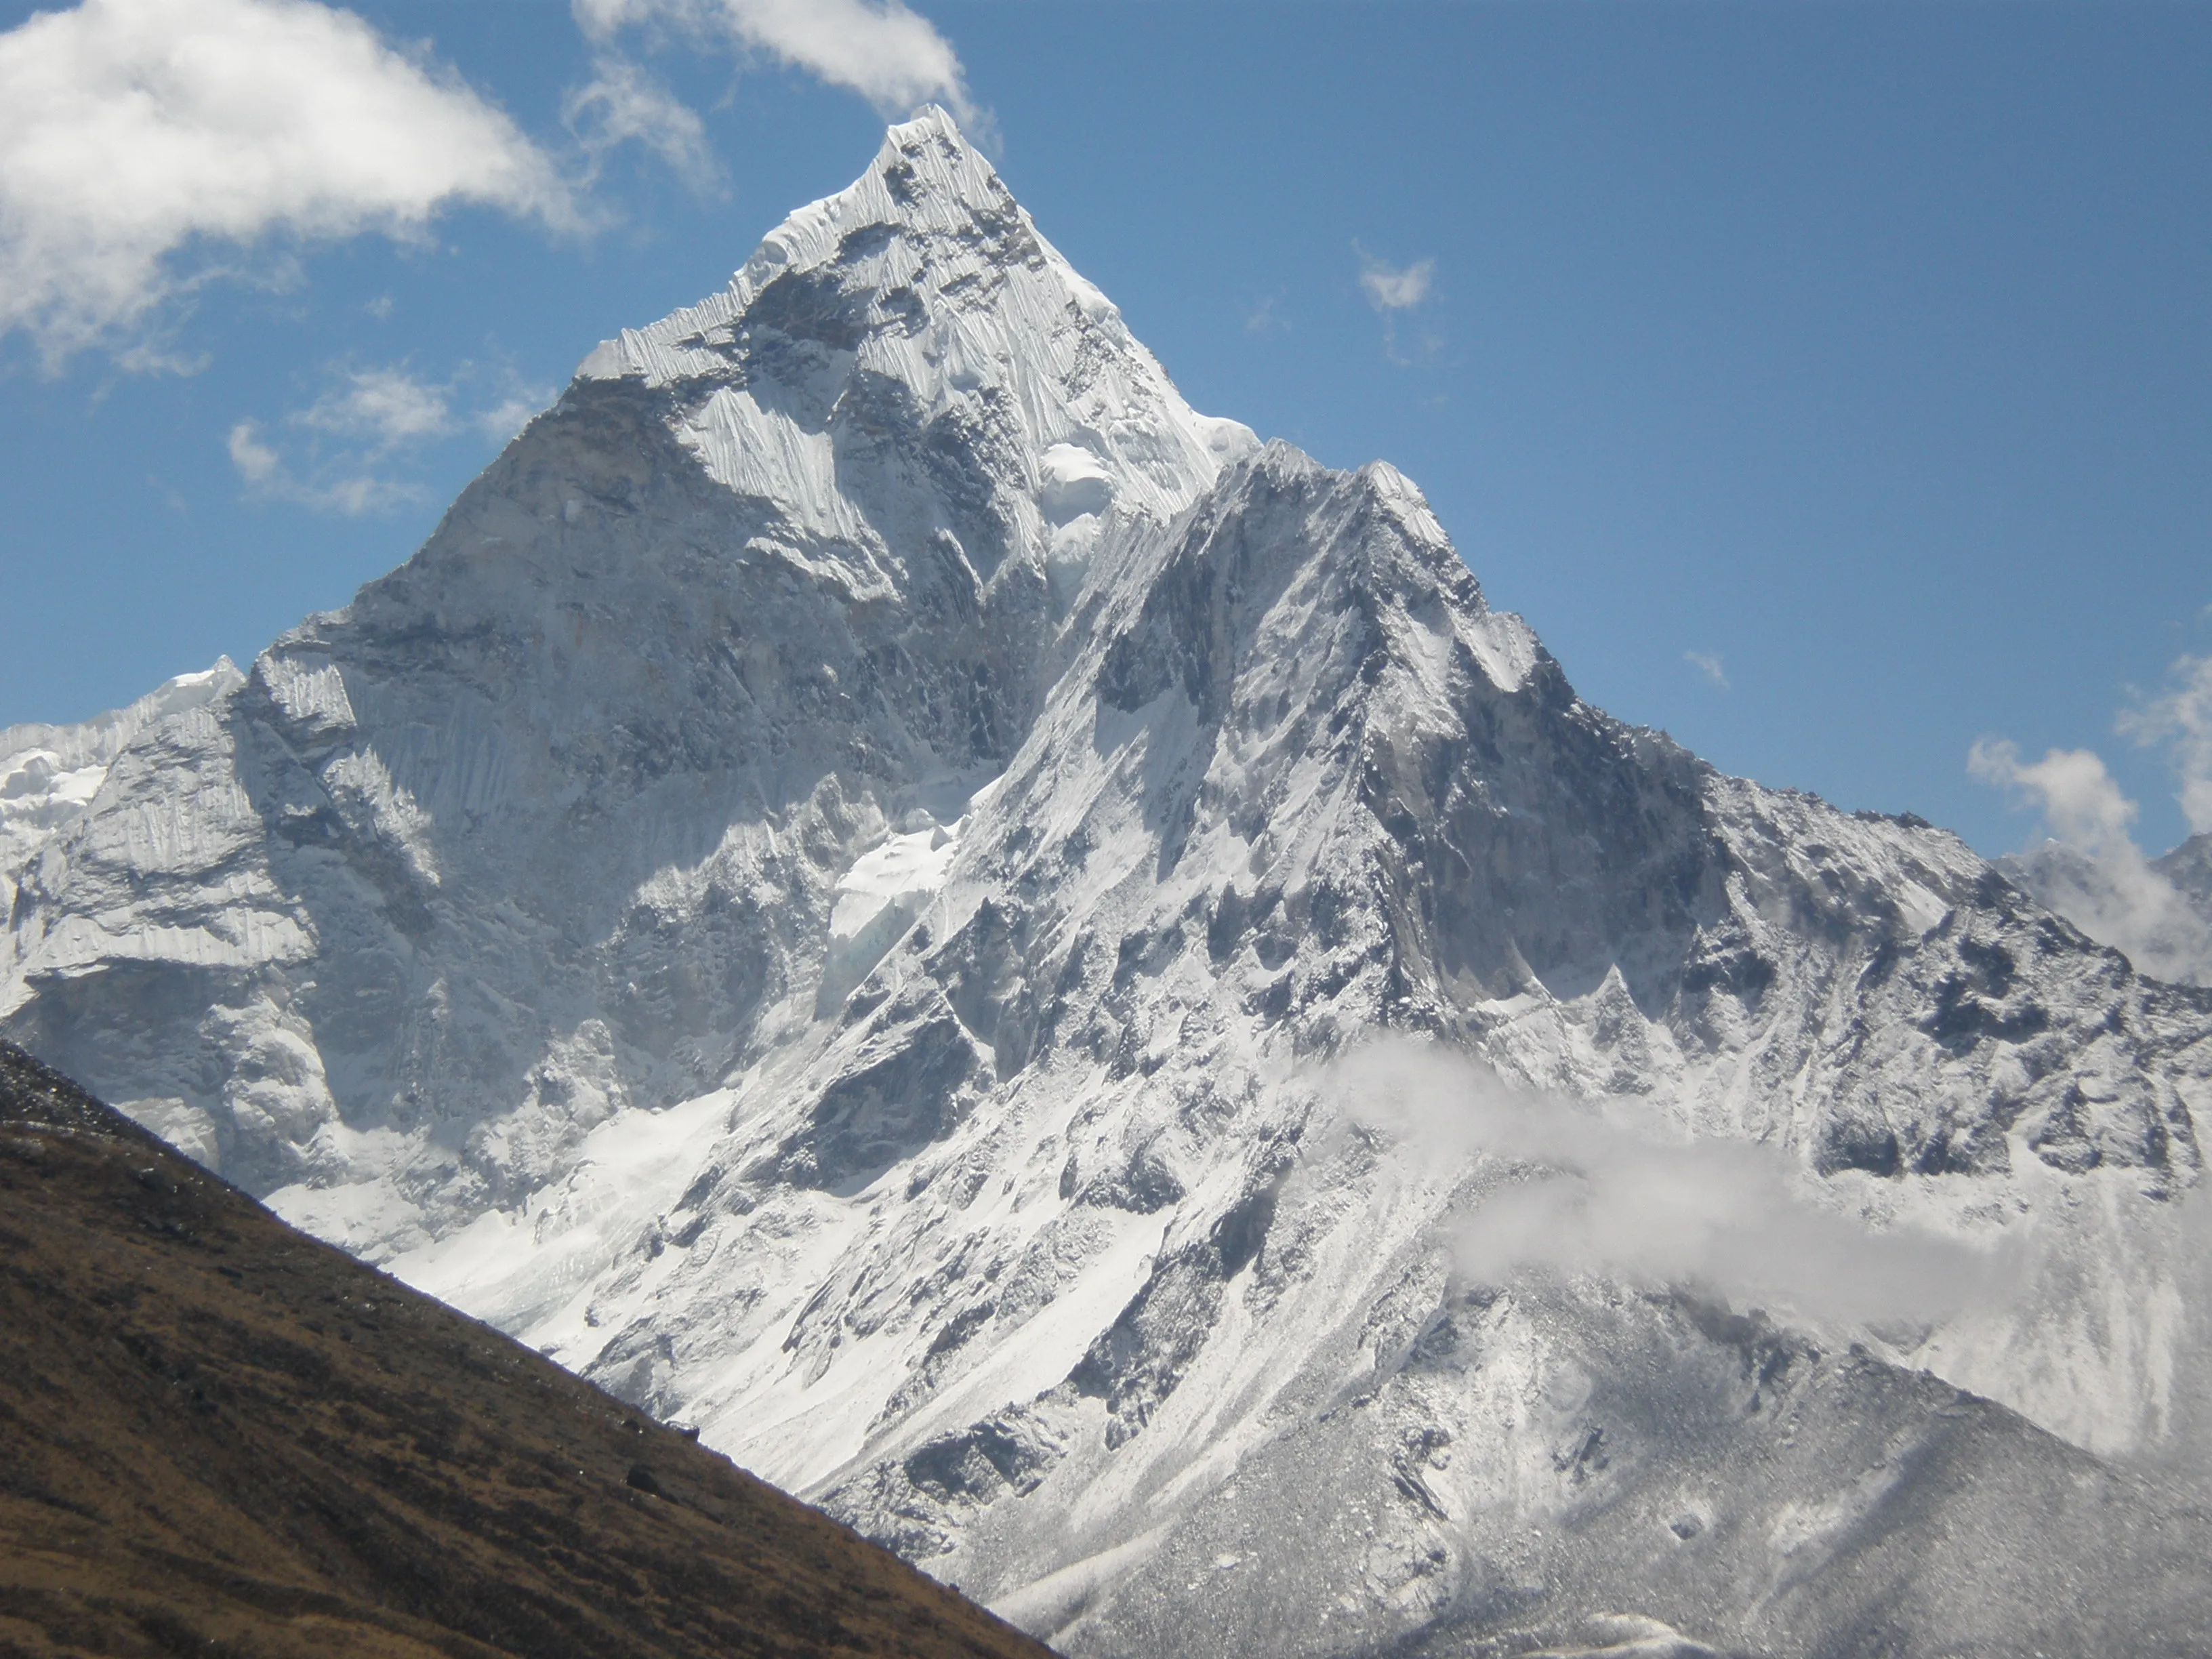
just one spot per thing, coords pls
(219, 1437)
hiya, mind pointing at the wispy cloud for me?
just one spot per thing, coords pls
(388, 407)
(267, 476)
(2090, 869)
(623, 104)
(889, 54)
(133, 132)
(503, 421)
(1394, 288)
(1613, 1190)
(1395, 291)
(353, 435)
(1267, 318)
(1707, 663)
(2181, 720)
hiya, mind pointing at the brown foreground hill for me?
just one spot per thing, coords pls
(219, 1437)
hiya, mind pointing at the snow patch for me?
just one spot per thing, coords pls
(1073, 484)
(880, 898)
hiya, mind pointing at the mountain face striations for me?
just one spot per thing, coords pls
(882, 886)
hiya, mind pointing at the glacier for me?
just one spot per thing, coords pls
(883, 887)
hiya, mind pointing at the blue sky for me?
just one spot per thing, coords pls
(1831, 385)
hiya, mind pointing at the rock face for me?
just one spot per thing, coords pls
(850, 893)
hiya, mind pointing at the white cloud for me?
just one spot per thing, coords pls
(388, 406)
(623, 104)
(1612, 1190)
(2091, 871)
(267, 476)
(256, 462)
(1707, 663)
(137, 136)
(1393, 288)
(890, 55)
(2078, 798)
(371, 421)
(2182, 720)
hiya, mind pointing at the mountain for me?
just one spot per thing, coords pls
(219, 1435)
(1055, 978)
(50, 774)
(2189, 867)
(2158, 910)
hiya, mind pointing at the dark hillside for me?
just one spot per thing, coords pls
(221, 1438)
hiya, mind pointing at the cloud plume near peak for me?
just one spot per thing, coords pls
(891, 55)
(2080, 801)
(1612, 1191)
(139, 139)
(2090, 869)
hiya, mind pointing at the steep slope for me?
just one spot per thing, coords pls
(851, 891)
(216, 1435)
(1048, 1267)
(773, 576)
(49, 774)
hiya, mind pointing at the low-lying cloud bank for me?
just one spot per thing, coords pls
(1613, 1190)
(2089, 1320)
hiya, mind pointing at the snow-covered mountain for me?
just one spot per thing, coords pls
(2158, 910)
(50, 774)
(882, 886)
(2189, 867)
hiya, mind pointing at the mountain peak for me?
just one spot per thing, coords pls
(933, 141)
(926, 179)
(920, 294)
(927, 184)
